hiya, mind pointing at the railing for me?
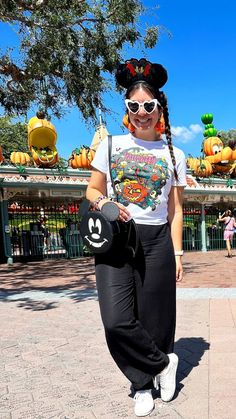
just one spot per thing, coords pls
(214, 233)
(45, 232)
(59, 237)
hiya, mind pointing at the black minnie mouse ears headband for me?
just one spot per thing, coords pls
(134, 70)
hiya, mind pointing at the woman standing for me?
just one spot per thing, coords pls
(229, 228)
(137, 294)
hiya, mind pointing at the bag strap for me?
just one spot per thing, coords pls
(86, 204)
(228, 222)
(132, 233)
(109, 165)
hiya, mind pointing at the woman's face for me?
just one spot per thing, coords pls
(142, 121)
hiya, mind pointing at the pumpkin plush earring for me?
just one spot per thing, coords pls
(160, 125)
(127, 123)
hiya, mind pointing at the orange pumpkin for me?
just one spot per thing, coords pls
(82, 158)
(212, 145)
(200, 167)
(19, 157)
(189, 161)
(1, 155)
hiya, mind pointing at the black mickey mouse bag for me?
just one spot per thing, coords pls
(101, 229)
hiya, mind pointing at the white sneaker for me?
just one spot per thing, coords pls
(144, 403)
(167, 378)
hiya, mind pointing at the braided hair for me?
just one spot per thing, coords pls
(161, 97)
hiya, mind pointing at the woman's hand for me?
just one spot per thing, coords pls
(179, 268)
(124, 213)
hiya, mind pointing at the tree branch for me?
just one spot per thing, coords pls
(12, 70)
(115, 9)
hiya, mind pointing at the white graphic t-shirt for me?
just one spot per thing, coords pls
(143, 174)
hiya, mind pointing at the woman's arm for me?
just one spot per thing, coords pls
(97, 187)
(222, 218)
(97, 193)
(175, 218)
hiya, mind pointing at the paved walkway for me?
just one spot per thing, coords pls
(54, 360)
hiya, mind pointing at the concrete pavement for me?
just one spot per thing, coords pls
(53, 356)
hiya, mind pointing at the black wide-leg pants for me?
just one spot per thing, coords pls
(137, 298)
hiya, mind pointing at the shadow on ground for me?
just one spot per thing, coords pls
(48, 280)
(190, 352)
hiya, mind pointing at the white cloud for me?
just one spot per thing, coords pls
(186, 134)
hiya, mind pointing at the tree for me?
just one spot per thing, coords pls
(67, 51)
(228, 138)
(13, 136)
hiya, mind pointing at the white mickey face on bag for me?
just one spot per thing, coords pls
(96, 231)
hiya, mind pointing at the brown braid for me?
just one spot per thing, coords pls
(163, 100)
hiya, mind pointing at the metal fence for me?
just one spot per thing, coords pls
(50, 231)
(192, 229)
(214, 231)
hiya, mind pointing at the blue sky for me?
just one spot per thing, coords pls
(201, 61)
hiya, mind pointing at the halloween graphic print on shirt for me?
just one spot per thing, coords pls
(138, 177)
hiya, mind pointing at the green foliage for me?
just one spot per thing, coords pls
(62, 163)
(151, 37)
(13, 136)
(228, 137)
(68, 49)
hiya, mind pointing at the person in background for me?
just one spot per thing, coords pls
(212, 234)
(45, 231)
(229, 227)
(137, 294)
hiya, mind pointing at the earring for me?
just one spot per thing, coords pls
(160, 125)
(127, 123)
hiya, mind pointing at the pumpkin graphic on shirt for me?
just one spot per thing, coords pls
(139, 177)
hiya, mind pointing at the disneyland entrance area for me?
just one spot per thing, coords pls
(44, 231)
(40, 213)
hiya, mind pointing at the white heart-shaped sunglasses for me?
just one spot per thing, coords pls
(134, 107)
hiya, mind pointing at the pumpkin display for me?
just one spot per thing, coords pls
(200, 167)
(234, 154)
(19, 157)
(212, 145)
(46, 157)
(1, 155)
(224, 155)
(210, 132)
(42, 137)
(222, 168)
(82, 158)
(217, 158)
(207, 118)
